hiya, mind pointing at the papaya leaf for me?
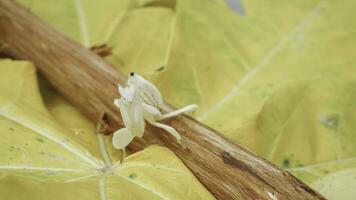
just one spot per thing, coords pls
(277, 80)
(50, 151)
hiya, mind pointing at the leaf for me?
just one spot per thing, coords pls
(82, 128)
(308, 128)
(339, 185)
(277, 80)
(312, 173)
(338, 178)
(274, 84)
(56, 154)
(73, 17)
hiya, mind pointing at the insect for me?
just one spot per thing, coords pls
(141, 101)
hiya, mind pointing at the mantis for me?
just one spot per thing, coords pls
(141, 101)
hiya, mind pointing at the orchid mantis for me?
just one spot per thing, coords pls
(141, 101)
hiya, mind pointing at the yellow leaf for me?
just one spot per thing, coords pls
(56, 154)
(278, 80)
(82, 129)
(338, 185)
(87, 22)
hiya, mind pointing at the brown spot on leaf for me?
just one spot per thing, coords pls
(330, 121)
(102, 50)
(160, 69)
(286, 163)
(161, 3)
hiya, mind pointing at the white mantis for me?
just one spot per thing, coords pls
(140, 100)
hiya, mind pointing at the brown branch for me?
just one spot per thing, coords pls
(227, 170)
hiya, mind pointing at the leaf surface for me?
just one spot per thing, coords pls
(48, 150)
(278, 80)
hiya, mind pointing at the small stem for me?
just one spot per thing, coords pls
(102, 188)
(103, 150)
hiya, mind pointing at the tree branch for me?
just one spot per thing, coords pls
(227, 170)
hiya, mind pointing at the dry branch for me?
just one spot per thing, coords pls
(227, 170)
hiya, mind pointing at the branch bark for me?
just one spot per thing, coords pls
(227, 170)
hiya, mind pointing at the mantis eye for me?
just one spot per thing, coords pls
(132, 74)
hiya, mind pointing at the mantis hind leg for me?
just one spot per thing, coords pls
(169, 129)
(185, 109)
